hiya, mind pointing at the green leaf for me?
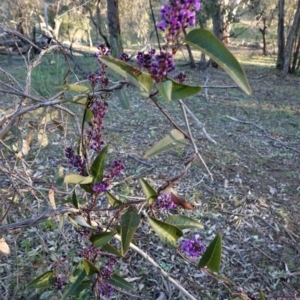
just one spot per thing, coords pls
(118, 281)
(168, 233)
(174, 139)
(45, 280)
(76, 88)
(76, 99)
(88, 115)
(82, 286)
(87, 187)
(75, 200)
(89, 268)
(59, 176)
(123, 97)
(149, 192)
(75, 178)
(102, 238)
(137, 77)
(261, 295)
(130, 221)
(206, 42)
(165, 88)
(77, 277)
(113, 201)
(181, 91)
(98, 165)
(212, 255)
(183, 222)
(110, 249)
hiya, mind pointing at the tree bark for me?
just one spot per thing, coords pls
(280, 35)
(290, 40)
(114, 27)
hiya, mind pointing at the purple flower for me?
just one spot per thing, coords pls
(104, 289)
(124, 56)
(58, 282)
(161, 66)
(90, 253)
(94, 134)
(176, 15)
(76, 160)
(164, 201)
(117, 167)
(193, 247)
(180, 77)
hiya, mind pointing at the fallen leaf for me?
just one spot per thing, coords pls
(179, 200)
(4, 248)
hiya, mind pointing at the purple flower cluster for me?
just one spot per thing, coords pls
(90, 253)
(164, 201)
(158, 65)
(176, 15)
(58, 283)
(193, 247)
(94, 134)
(124, 56)
(100, 77)
(180, 77)
(116, 169)
(104, 289)
(76, 160)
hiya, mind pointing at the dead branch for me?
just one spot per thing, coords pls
(265, 132)
(38, 219)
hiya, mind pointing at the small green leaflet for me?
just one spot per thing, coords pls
(130, 221)
(102, 238)
(149, 192)
(118, 281)
(98, 165)
(183, 222)
(174, 139)
(212, 255)
(168, 233)
(45, 280)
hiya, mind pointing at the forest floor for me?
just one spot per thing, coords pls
(253, 199)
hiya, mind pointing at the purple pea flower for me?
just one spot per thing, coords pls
(180, 77)
(76, 161)
(59, 283)
(164, 201)
(193, 247)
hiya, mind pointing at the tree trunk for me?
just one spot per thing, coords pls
(114, 27)
(280, 35)
(290, 40)
(263, 31)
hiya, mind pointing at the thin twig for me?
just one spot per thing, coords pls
(159, 269)
(265, 132)
(192, 139)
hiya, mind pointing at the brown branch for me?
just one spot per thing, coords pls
(35, 220)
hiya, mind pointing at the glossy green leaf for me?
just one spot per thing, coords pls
(168, 233)
(134, 75)
(75, 88)
(88, 116)
(87, 187)
(110, 249)
(261, 295)
(165, 89)
(212, 255)
(45, 280)
(76, 99)
(206, 42)
(89, 268)
(149, 192)
(130, 221)
(102, 238)
(75, 178)
(75, 199)
(86, 284)
(174, 139)
(119, 282)
(113, 201)
(183, 222)
(98, 165)
(123, 98)
(77, 277)
(181, 91)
